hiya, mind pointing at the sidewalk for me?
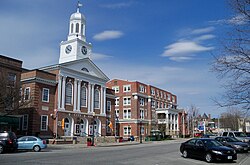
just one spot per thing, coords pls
(65, 146)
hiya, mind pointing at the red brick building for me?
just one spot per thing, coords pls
(10, 74)
(141, 108)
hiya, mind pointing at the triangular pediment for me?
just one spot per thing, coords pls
(85, 66)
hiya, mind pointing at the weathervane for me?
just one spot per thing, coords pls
(78, 6)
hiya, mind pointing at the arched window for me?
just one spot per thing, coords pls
(83, 97)
(77, 27)
(97, 99)
(69, 93)
(82, 29)
(72, 28)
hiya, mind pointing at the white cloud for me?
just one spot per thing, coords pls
(183, 50)
(203, 30)
(204, 37)
(99, 56)
(117, 5)
(108, 35)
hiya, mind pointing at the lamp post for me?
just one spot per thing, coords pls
(54, 117)
(140, 131)
(93, 128)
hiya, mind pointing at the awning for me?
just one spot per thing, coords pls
(9, 120)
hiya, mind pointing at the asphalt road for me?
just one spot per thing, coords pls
(143, 154)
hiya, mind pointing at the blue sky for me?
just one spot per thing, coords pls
(165, 43)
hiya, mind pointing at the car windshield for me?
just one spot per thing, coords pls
(211, 143)
(240, 134)
(231, 139)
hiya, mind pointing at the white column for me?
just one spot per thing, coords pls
(167, 124)
(63, 92)
(92, 97)
(89, 96)
(177, 122)
(174, 124)
(101, 106)
(75, 94)
(59, 91)
(79, 95)
(104, 100)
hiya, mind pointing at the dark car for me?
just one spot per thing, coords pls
(208, 149)
(233, 143)
(8, 141)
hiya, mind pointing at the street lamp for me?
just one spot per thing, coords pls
(140, 131)
(93, 128)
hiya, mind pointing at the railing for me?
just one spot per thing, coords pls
(162, 121)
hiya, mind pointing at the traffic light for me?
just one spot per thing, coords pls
(62, 123)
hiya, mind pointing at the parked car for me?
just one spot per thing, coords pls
(208, 149)
(31, 143)
(238, 135)
(8, 141)
(233, 143)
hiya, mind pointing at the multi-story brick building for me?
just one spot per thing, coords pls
(10, 74)
(141, 108)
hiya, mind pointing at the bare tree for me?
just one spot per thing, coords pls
(11, 99)
(230, 119)
(233, 61)
(193, 113)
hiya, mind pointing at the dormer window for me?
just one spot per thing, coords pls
(85, 69)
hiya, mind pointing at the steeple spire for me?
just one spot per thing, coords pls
(78, 6)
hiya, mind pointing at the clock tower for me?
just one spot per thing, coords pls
(75, 47)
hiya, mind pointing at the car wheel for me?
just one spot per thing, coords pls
(36, 148)
(1, 149)
(208, 158)
(185, 154)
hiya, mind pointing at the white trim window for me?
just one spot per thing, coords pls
(173, 99)
(69, 92)
(142, 103)
(108, 105)
(45, 95)
(161, 94)
(164, 95)
(97, 99)
(153, 104)
(165, 105)
(83, 100)
(142, 114)
(126, 88)
(126, 130)
(126, 100)
(117, 101)
(152, 91)
(116, 89)
(25, 121)
(27, 93)
(126, 114)
(169, 97)
(157, 104)
(44, 123)
(141, 88)
(117, 113)
(142, 130)
(157, 93)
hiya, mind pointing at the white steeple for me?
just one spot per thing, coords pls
(77, 25)
(75, 47)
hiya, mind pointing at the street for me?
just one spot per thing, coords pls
(156, 153)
